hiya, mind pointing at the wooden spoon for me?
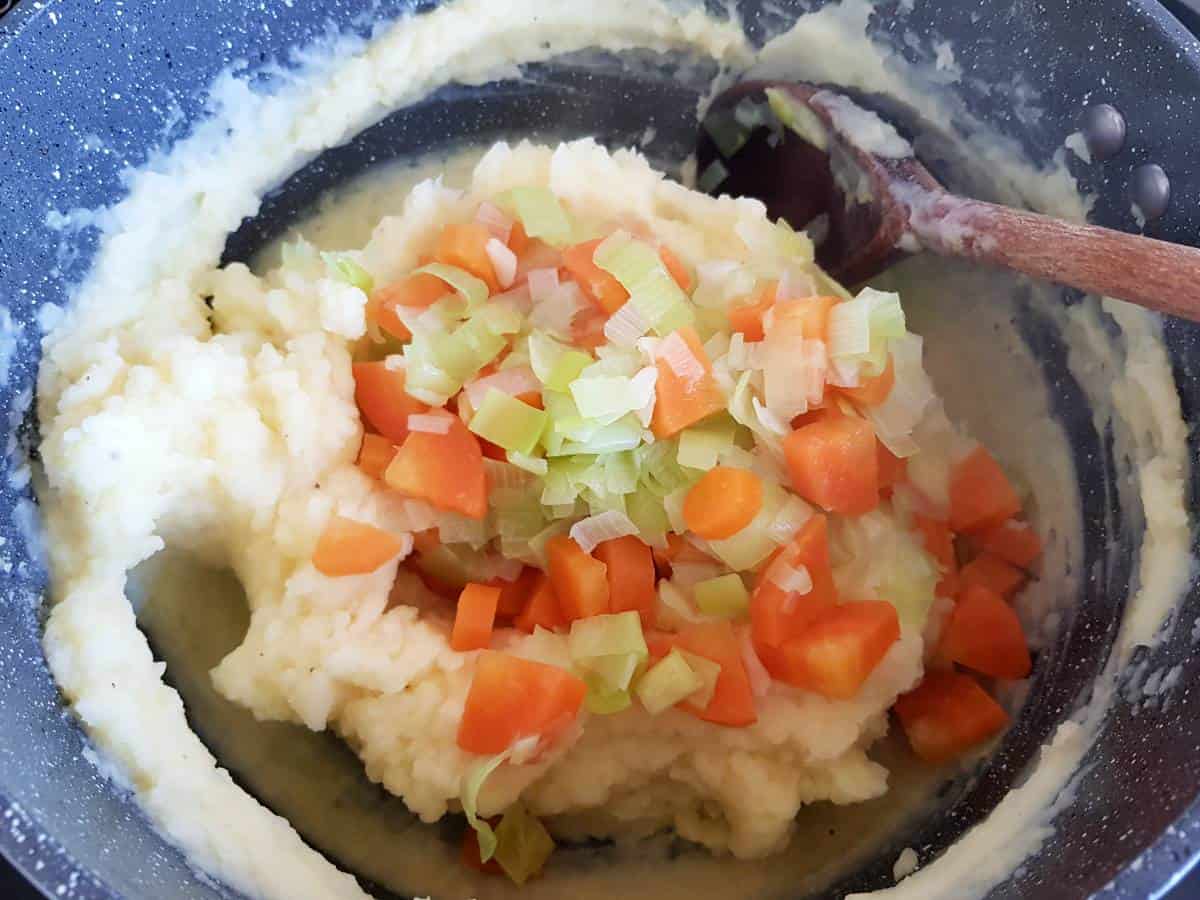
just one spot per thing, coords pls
(898, 207)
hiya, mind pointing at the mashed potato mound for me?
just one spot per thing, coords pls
(237, 439)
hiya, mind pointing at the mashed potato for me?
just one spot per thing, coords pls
(237, 442)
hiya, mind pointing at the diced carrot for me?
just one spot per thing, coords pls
(892, 469)
(820, 414)
(939, 543)
(465, 246)
(723, 502)
(532, 398)
(382, 400)
(746, 314)
(420, 290)
(1013, 542)
(874, 390)
(985, 634)
(376, 454)
(980, 493)
(514, 595)
(630, 573)
(681, 401)
(580, 581)
(679, 272)
(444, 469)
(512, 698)
(474, 618)
(777, 615)
(518, 239)
(993, 573)
(833, 463)
(732, 702)
(492, 451)
(948, 714)
(597, 285)
(384, 316)
(807, 318)
(347, 547)
(840, 649)
(541, 607)
(472, 858)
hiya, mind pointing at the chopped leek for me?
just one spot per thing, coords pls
(754, 543)
(608, 650)
(601, 701)
(713, 176)
(532, 464)
(606, 526)
(541, 214)
(667, 682)
(522, 844)
(470, 802)
(343, 268)
(726, 132)
(646, 511)
(708, 672)
(725, 596)
(470, 288)
(555, 364)
(659, 301)
(601, 397)
(701, 446)
(798, 118)
(508, 422)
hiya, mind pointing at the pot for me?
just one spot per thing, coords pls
(87, 90)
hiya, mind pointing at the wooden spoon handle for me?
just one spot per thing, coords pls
(1155, 274)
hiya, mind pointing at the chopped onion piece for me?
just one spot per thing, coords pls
(430, 424)
(625, 326)
(504, 262)
(593, 530)
(543, 284)
(495, 220)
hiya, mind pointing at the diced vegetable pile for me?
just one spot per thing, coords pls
(655, 461)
